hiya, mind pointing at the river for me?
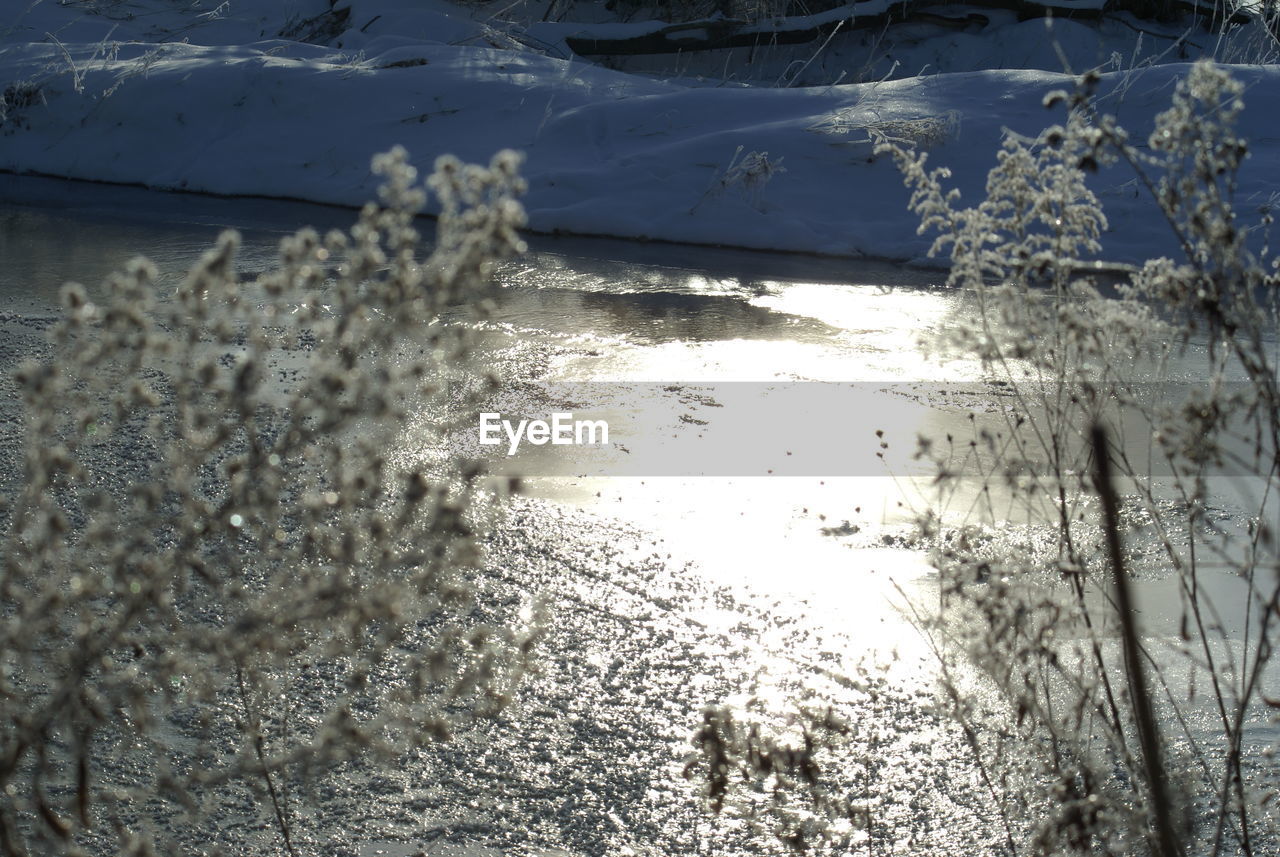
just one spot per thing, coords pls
(685, 321)
(782, 568)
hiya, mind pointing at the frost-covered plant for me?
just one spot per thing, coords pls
(64, 69)
(750, 175)
(925, 132)
(1089, 737)
(14, 99)
(786, 777)
(1070, 739)
(226, 569)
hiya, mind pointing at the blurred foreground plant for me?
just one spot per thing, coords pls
(1174, 374)
(220, 576)
(1091, 732)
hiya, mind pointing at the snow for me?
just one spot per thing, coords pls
(218, 102)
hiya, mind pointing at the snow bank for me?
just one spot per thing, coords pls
(245, 112)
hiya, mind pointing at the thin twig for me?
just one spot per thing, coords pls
(252, 725)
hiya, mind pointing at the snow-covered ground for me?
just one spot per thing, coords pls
(213, 98)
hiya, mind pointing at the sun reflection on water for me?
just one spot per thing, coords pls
(830, 547)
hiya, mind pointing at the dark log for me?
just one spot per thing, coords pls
(718, 33)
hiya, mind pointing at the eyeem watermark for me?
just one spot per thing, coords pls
(562, 428)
